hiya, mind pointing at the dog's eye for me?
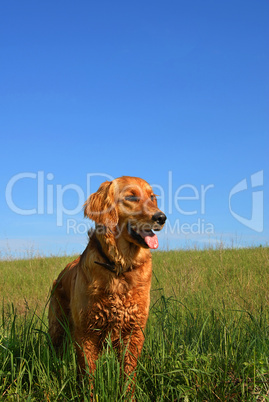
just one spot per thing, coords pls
(152, 197)
(132, 198)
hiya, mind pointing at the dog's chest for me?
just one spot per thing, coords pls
(115, 312)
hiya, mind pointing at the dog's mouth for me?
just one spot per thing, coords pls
(145, 237)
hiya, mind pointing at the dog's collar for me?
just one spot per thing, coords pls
(110, 265)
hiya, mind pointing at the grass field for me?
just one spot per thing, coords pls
(207, 337)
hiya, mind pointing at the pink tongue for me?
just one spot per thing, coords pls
(150, 238)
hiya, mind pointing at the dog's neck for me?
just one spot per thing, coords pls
(122, 254)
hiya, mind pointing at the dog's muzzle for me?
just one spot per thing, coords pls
(144, 234)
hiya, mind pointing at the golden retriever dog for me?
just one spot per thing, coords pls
(106, 291)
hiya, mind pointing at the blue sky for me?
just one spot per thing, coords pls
(174, 92)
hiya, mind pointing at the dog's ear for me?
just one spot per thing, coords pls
(101, 206)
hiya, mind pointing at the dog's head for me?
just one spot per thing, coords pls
(128, 207)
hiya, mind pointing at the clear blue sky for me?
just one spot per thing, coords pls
(174, 92)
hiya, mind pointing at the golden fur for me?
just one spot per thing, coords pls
(98, 300)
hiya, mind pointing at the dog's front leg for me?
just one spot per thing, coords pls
(134, 345)
(88, 349)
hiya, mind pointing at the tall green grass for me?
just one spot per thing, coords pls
(207, 337)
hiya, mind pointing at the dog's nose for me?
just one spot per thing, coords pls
(159, 217)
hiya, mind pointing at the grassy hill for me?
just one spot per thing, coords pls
(207, 337)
